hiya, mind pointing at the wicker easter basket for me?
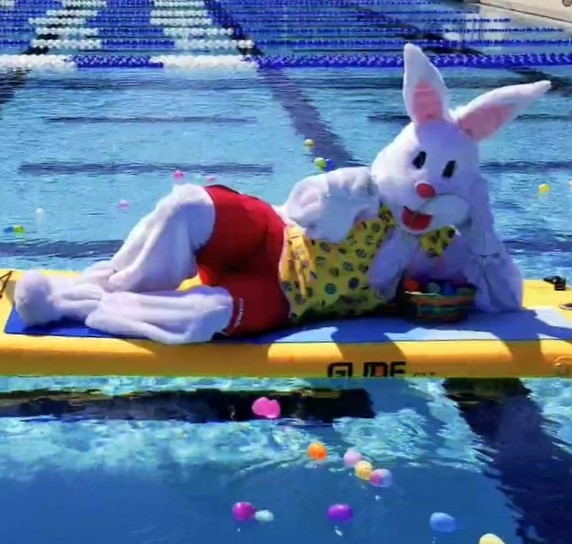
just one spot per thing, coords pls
(436, 307)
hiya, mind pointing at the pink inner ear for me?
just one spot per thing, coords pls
(426, 103)
(483, 121)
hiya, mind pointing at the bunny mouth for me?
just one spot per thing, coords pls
(415, 221)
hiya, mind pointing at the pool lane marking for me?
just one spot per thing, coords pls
(12, 81)
(305, 117)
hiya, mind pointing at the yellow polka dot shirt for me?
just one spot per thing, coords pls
(324, 280)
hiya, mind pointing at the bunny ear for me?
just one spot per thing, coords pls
(424, 91)
(491, 111)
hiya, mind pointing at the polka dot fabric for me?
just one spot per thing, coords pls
(330, 280)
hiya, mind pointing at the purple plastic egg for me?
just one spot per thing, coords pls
(381, 477)
(243, 511)
(340, 513)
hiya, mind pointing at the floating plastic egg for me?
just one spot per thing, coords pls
(340, 513)
(363, 470)
(14, 229)
(351, 458)
(320, 162)
(381, 477)
(243, 511)
(264, 516)
(317, 451)
(489, 538)
(267, 408)
(442, 523)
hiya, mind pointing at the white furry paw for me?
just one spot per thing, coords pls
(33, 299)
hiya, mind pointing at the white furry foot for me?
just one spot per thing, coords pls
(34, 301)
(40, 300)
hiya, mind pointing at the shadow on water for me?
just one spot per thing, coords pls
(533, 470)
(308, 407)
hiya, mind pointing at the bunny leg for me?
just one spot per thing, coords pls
(157, 254)
(498, 281)
(176, 317)
(179, 226)
(243, 304)
(138, 240)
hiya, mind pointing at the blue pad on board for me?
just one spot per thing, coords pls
(527, 325)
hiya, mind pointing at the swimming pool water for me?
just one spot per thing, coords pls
(75, 144)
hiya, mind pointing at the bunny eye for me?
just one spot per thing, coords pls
(420, 159)
(449, 169)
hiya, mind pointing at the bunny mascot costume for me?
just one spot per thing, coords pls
(338, 247)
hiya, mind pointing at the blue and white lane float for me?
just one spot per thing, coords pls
(169, 20)
(236, 62)
(107, 44)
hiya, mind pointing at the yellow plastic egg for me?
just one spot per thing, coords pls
(363, 470)
(308, 143)
(543, 188)
(320, 163)
(489, 538)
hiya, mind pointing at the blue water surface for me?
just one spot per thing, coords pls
(75, 144)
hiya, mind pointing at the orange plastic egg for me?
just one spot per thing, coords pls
(317, 451)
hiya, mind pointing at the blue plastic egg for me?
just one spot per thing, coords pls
(442, 523)
(448, 290)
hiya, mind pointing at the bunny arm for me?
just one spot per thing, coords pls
(391, 262)
(327, 205)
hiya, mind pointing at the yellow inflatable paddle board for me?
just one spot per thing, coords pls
(536, 342)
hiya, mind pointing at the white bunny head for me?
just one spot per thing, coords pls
(429, 175)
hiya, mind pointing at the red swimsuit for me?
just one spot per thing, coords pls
(243, 256)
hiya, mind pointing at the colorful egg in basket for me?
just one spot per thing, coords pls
(436, 301)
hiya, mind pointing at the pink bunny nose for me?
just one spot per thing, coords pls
(425, 190)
